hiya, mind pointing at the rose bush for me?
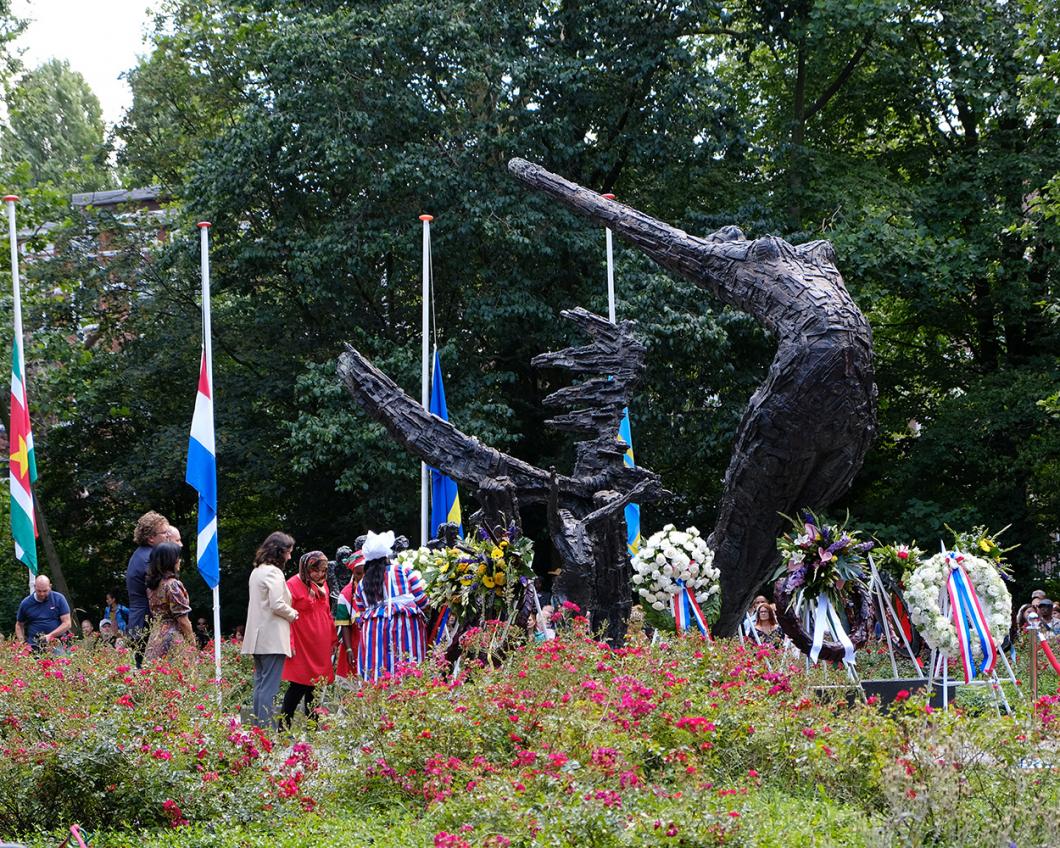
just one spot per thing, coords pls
(563, 743)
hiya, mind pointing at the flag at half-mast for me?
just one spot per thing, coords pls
(23, 465)
(445, 500)
(632, 510)
(202, 476)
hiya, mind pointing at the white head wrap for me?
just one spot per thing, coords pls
(378, 545)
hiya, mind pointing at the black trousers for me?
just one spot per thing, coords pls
(295, 693)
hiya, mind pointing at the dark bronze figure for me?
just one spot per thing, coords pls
(807, 428)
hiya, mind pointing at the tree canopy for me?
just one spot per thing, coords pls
(921, 139)
(55, 124)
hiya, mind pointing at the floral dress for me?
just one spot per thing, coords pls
(167, 602)
(392, 630)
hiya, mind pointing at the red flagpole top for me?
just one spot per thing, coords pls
(202, 225)
(426, 217)
(10, 198)
(608, 196)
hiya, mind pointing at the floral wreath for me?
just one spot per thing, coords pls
(823, 559)
(478, 578)
(671, 562)
(926, 585)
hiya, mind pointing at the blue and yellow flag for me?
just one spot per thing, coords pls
(632, 510)
(445, 501)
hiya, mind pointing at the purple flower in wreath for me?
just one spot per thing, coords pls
(824, 554)
(836, 547)
(796, 578)
(865, 547)
(483, 534)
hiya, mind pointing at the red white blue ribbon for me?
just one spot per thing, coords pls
(968, 616)
(687, 612)
(438, 632)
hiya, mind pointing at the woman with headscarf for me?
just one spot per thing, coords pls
(389, 601)
(269, 617)
(312, 635)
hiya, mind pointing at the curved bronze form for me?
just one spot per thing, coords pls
(807, 428)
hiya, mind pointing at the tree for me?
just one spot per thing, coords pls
(55, 123)
(314, 134)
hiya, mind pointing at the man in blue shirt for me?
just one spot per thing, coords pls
(150, 530)
(43, 616)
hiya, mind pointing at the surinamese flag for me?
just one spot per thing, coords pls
(23, 466)
(632, 510)
(445, 501)
(202, 476)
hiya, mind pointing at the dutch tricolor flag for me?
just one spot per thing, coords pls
(202, 476)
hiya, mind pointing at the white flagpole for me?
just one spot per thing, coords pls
(207, 346)
(16, 284)
(610, 270)
(425, 394)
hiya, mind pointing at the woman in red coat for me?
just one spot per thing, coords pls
(312, 635)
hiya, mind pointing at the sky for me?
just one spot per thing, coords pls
(99, 38)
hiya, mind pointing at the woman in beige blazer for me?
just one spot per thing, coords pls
(269, 616)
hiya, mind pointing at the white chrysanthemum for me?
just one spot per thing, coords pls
(670, 561)
(926, 586)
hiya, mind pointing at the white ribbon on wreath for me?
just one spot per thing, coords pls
(826, 616)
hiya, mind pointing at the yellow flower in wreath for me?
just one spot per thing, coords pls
(487, 581)
(499, 578)
(461, 567)
(481, 569)
(497, 553)
(444, 567)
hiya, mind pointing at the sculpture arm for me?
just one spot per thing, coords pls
(436, 442)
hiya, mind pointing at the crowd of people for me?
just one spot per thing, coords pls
(1047, 622)
(357, 616)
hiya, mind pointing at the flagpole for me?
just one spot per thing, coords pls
(610, 270)
(207, 347)
(16, 284)
(425, 374)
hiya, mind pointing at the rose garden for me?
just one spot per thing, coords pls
(736, 521)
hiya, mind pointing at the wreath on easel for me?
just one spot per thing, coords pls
(927, 584)
(824, 566)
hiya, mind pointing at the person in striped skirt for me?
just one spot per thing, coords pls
(388, 604)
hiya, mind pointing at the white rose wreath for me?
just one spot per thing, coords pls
(672, 560)
(926, 585)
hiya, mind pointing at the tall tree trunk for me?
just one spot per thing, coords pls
(50, 554)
